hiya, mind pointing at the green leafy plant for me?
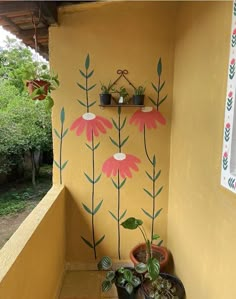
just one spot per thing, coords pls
(122, 277)
(123, 93)
(140, 90)
(106, 89)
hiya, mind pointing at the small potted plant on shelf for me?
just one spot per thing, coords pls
(41, 83)
(105, 95)
(141, 252)
(138, 97)
(123, 95)
(154, 284)
(126, 280)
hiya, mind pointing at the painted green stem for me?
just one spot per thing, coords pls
(118, 214)
(60, 155)
(158, 90)
(93, 191)
(86, 86)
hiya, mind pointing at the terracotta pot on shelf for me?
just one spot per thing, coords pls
(138, 254)
(34, 84)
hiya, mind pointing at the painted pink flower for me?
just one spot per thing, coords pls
(230, 94)
(234, 32)
(225, 155)
(122, 162)
(232, 61)
(228, 125)
(92, 124)
(147, 116)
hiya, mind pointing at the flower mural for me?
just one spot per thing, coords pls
(120, 165)
(92, 125)
(150, 118)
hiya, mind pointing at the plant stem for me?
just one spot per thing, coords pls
(158, 91)
(153, 200)
(60, 157)
(145, 144)
(119, 134)
(93, 187)
(118, 213)
(86, 86)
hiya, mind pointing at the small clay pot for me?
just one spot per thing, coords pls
(34, 84)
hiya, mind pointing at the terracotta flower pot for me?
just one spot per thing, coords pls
(34, 84)
(138, 254)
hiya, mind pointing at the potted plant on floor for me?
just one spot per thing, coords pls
(141, 252)
(105, 95)
(138, 97)
(154, 284)
(126, 280)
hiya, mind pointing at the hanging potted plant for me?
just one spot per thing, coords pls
(138, 97)
(105, 95)
(126, 279)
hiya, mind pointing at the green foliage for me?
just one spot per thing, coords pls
(106, 89)
(140, 90)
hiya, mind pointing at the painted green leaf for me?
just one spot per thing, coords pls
(106, 285)
(154, 103)
(62, 115)
(149, 215)
(157, 175)
(57, 134)
(115, 124)
(89, 146)
(123, 124)
(158, 192)
(113, 216)
(65, 132)
(162, 100)
(64, 165)
(90, 180)
(97, 179)
(90, 74)
(91, 87)
(154, 86)
(81, 86)
(83, 74)
(150, 177)
(82, 103)
(114, 142)
(159, 67)
(157, 213)
(105, 263)
(58, 166)
(87, 209)
(114, 183)
(97, 145)
(132, 223)
(124, 141)
(93, 103)
(87, 62)
(123, 182)
(110, 275)
(97, 207)
(123, 215)
(100, 240)
(141, 268)
(162, 85)
(148, 192)
(87, 242)
(154, 160)
(153, 267)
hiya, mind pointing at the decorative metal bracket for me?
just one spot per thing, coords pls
(122, 73)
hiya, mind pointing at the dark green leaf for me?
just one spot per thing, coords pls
(87, 62)
(132, 223)
(114, 183)
(97, 179)
(141, 268)
(153, 267)
(57, 134)
(90, 74)
(154, 160)
(114, 123)
(114, 142)
(162, 100)
(97, 208)
(64, 165)
(124, 141)
(82, 103)
(97, 145)
(62, 115)
(122, 184)
(157, 213)
(154, 103)
(87, 209)
(83, 74)
(136, 281)
(81, 86)
(110, 275)
(158, 192)
(161, 86)
(90, 180)
(106, 285)
(129, 287)
(150, 177)
(149, 215)
(148, 192)
(123, 124)
(157, 175)
(65, 132)
(87, 242)
(154, 86)
(91, 87)
(159, 244)
(58, 166)
(105, 263)
(93, 103)
(159, 67)
(128, 275)
(89, 146)
(122, 216)
(100, 240)
(113, 215)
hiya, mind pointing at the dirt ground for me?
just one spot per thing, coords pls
(10, 223)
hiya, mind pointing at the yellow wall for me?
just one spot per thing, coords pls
(131, 35)
(202, 214)
(33, 260)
